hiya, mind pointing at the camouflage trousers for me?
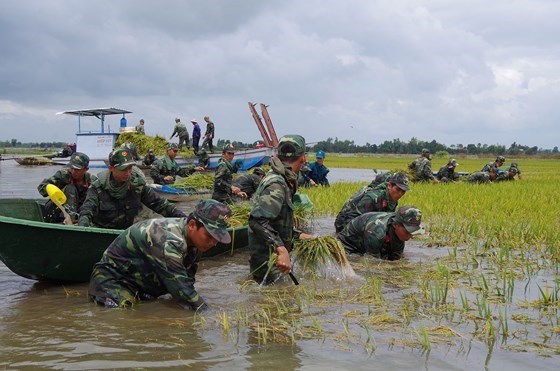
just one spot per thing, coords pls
(108, 288)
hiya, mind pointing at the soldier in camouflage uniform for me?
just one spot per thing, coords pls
(223, 186)
(421, 168)
(203, 159)
(447, 172)
(494, 165)
(74, 180)
(131, 147)
(140, 127)
(507, 175)
(271, 221)
(514, 168)
(181, 131)
(166, 169)
(382, 234)
(303, 177)
(249, 183)
(483, 176)
(380, 179)
(209, 134)
(159, 256)
(149, 158)
(117, 196)
(384, 197)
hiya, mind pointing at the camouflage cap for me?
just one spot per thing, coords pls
(214, 215)
(228, 147)
(410, 217)
(121, 158)
(173, 146)
(425, 151)
(79, 161)
(291, 145)
(132, 148)
(452, 162)
(514, 164)
(401, 180)
(259, 171)
(501, 159)
(513, 169)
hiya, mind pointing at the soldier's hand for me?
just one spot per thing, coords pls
(312, 182)
(168, 178)
(283, 261)
(305, 236)
(199, 168)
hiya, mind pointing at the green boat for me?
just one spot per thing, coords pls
(43, 251)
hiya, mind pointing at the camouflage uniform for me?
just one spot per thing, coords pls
(182, 133)
(203, 159)
(380, 180)
(494, 165)
(153, 258)
(111, 206)
(479, 177)
(303, 176)
(447, 172)
(208, 135)
(75, 194)
(223, 181)
(166, 166)
(372, 233)
(422, 169)
(248, 183)
(271, 221)
(149, 158)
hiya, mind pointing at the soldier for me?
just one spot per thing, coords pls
(271, 221)
(319, 171)
(517, 170)
(303, 177)
(181, 132)
(447, 172)
(380, 179)
(166, 169)
(508, 174)
(203, 159)
(209, 134)
(140, 127)
(383, 198)
(149, 158)
(422, 168)
(483, 176)
(131, 147)
(494, 165)
(74, 180)
(159, 256)
(249, 183)
(117, 196)
(223, 186)
(382, 234)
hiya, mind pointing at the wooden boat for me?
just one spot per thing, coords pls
(36, 161)
(43, 251)
(180, 194)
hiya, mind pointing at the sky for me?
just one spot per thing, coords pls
(459, 72)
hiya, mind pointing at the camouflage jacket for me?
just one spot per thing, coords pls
(366, 200)
(166, 166)
(140, 129)
(380, 180)
(479, 177)
(209, 134)
(372, 233)
(151, 257)
(149, 159)
(318, 173)
(447, 174)
(180, 130)
(248, 183)
(62, 178)
(503, 176)
(422, 169)
(489, 166)
(114, 207)
(223, 181)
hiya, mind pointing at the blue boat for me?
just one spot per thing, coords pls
(180, 194)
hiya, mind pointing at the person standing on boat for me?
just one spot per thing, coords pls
(159, 256)
(318, 173)
(195, 135)
(149, 158)
(382, 234)
(166, 169)
(249, 183)
(117, 196)
(271, 221)
(209, 134)
(181, 132)
(223, 186)
(140, 127)
(384, 197)
(74, 180)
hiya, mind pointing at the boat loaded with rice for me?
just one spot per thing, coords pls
(43, 251)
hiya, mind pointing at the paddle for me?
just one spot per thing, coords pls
(59, 198)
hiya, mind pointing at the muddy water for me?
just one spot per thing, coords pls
(54, 326)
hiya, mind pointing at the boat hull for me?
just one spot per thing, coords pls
(60, 253)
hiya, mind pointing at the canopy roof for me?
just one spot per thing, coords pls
(97, 112)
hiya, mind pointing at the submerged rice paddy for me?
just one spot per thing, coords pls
(490, 280)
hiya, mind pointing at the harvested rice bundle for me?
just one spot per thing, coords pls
(143, 143)
(197, 181)
(322, 254)
(239, 214)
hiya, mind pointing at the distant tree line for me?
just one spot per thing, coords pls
(17, 144)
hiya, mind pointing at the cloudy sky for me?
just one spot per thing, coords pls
(461, 71)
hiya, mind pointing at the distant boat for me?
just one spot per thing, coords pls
(43, 251)
(36, 161)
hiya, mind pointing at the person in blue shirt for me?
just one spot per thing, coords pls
(318, 173)
(195, 135)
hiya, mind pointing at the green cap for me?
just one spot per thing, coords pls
(291, 145)
(513, 169)
(228, 147)
(401, 180)
(425, 151)
(79, 161)
(132, 148)
(452, 162)
(173, 146)
(410, 218)
(214, 215)
(121, 158)
(501, 159)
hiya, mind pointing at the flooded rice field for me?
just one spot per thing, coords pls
(375, 320)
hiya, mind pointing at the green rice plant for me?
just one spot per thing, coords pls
(423, 339)
(321, 253)
(196, 181)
